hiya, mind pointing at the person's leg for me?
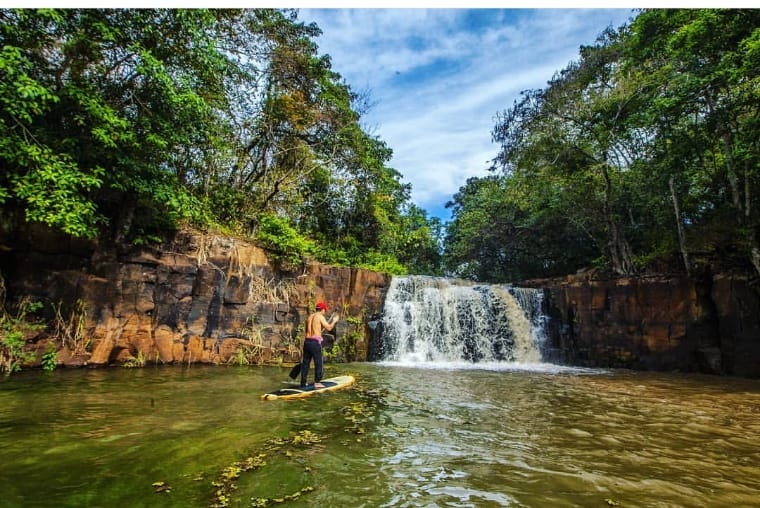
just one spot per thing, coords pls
(305, 362)
(318, 364)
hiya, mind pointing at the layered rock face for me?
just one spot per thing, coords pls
(710, 325)
(199, 298)
(203, 298)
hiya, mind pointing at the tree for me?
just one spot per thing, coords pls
(500, 233)
(572, 139)
(122, 123)
(647, 145)
(96, 105)
(701, 67)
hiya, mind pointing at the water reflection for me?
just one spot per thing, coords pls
(403, 437)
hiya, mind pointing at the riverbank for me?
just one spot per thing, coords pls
(210, 299)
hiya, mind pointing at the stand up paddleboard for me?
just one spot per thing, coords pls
(330, 385)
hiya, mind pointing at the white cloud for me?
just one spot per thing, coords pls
(439, 76)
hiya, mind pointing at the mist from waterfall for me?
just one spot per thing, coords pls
(442, 322)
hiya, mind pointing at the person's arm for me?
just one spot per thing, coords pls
(329, 325)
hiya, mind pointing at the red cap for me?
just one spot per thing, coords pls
(321, 306)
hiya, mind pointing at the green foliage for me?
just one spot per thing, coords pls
(51, 184)
(287, 244)
(50, 358)
(418, 245)
(136, 361)
(381, 262)
(14, 330)
(639, 156)
(240, 358)
(92, 115)
(121, 124)
(347, 344)
(336, 256)
(12, 353)
(22, 98)
(53, 191)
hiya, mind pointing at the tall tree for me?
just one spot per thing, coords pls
(648, 143)
(573, 136)
(702, 68)
(124, 121)
(96, 106)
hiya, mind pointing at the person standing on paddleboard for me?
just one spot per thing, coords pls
(316, 323)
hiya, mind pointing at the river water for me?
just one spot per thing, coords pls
(501, 435)
(461, 411)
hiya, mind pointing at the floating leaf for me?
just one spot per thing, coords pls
(160, 487)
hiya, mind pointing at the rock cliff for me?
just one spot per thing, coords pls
(197, 298)
(709, 324)
(212, 299)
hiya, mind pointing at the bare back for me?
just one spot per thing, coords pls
(315, 324)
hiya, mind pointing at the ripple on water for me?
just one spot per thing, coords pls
(471, 438)
(470, 497)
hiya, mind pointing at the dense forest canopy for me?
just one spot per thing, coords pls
(643, 155)
(123, 124)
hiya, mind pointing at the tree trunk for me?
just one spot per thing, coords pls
(125, 219)
(620, 252)
(755, 248)
(755, 255)
(679, 225)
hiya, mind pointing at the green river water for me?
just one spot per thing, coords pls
(539, 436)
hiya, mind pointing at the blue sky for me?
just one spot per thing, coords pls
(438, 77)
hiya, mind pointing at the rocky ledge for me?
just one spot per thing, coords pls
(196, 298)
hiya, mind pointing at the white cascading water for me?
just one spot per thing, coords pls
(440, 321)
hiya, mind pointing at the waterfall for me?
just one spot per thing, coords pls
(433, 320)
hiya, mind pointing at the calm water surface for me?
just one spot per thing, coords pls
(402, 437)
